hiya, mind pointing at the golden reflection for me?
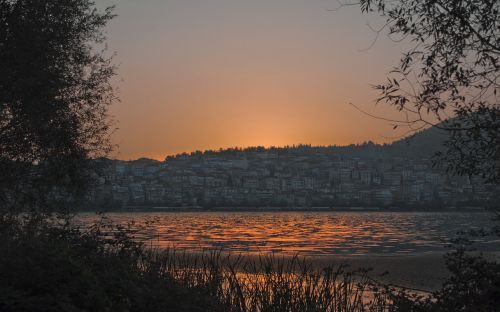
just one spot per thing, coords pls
(309, 234)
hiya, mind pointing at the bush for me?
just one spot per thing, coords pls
(59, 268)
(51, 265)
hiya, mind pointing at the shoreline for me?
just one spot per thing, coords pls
(424, 272)
(139, 209)
(419, 271)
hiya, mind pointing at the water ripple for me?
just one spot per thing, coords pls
(305, 233)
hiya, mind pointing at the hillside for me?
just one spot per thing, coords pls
(423, 144)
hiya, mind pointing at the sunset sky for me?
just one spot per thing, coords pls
(206, 74)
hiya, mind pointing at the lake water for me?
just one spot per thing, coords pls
(304, 233)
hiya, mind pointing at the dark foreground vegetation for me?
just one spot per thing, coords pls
(48, 265)
(55, 89)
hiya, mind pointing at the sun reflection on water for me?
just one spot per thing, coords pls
(306, 233)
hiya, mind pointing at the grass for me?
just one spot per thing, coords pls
(269, 283)
(44, 267)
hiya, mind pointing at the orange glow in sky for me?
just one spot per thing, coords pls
(196, 75)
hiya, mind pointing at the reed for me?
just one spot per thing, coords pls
(102, 268)
(271, 283)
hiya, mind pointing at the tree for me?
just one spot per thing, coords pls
(449, 80)
(55, 89)
(450, 77)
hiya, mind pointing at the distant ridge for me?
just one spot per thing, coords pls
(420, 145)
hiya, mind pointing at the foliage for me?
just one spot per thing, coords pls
(56, 266)
(49, 268)
(450, 77)
(54, 93)
(268, 283)
(474, 284)
(64, 268)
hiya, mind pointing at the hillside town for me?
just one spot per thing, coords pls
(293, 177)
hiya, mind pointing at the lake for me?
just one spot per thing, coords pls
(304, 233)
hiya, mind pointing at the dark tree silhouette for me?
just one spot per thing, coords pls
(450, 77)
(54, 94)
(449, 80)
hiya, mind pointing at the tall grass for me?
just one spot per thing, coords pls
(262, 283)
(48, 267)
(271, 283)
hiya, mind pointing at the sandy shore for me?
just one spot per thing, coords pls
(417, 271)
(425, 272)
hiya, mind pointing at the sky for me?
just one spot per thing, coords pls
(210, 74)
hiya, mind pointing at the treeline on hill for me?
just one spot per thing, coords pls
(421, 145)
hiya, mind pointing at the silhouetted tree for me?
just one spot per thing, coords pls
(54, 94)
(450, 76)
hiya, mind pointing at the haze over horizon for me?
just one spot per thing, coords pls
(198, 75)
